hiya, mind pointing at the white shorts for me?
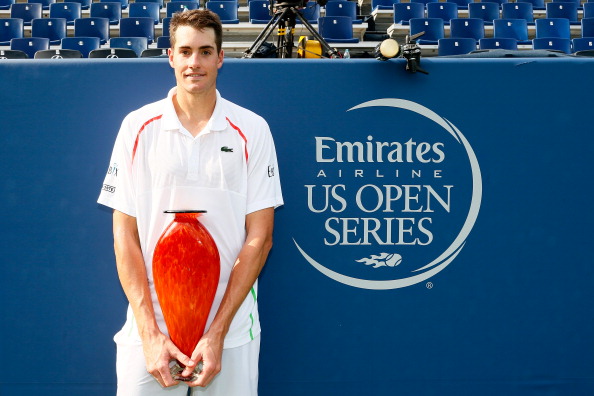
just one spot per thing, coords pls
(238, 376)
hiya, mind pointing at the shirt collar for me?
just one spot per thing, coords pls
(170, 121)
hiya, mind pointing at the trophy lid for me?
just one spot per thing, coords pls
(184, 211)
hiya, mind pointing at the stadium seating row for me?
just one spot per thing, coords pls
(55, 29)
(463, 4)
(460, 46)
(489, 11)
(85, 47)
(113, 10)
(434, 29)
(132, 47)
(135, 33)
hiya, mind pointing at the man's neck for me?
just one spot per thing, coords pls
(194, 111)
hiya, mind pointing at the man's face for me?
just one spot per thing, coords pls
(195, 59)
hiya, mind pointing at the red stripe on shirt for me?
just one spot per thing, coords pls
(140, 131)
(240, 134)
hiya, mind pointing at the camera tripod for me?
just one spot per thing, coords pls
(284, 18)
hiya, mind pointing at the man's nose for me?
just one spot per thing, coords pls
(194, 61)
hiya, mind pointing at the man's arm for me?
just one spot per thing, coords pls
(158, 348)
(247, 267)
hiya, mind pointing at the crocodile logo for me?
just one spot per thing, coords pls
(226, 149)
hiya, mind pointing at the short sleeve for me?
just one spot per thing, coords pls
(118, 190)
(264, 190)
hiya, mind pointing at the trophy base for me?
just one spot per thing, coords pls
(176, 371)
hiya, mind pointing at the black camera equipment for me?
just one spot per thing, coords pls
(284, 15)
(410, 51)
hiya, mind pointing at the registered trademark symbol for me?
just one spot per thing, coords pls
(429, 285)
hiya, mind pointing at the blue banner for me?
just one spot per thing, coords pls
(435, 238)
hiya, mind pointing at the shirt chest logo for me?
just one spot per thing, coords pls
(226, 149)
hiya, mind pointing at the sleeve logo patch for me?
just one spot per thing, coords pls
(108, 188)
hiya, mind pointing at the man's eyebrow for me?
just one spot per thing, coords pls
(200, 48)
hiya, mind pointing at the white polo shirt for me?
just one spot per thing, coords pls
(229, 169)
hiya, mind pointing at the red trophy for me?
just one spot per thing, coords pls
(186, 266)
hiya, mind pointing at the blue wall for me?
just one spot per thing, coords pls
(509, 314)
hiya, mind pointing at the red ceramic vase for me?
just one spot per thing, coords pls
(186, 267)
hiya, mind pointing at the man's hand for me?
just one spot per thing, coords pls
(210, 351)
(159, 351)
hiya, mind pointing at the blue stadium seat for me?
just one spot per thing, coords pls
(12, 54)
(259, 12)
(516, 29)
(487, 11)
(163, 42)
(462, 4)
(82, 44)
(138, 27)
(455, 46)
(194, 1)
(467, 28)
(577, 2)
(500, 2)
(154, 53)
(337, 29)
(112, 53)
(109, 10)
(311, 12)
(552, 43)
(84, 4)
(45, 4)
(29, 45)
(138, 44)
(445, 11)
(343, 8)
(5, 4)
(498, 43)
(424, 2)
(124, 3)
(226, 10)
(383, 4)
(68, 10)
(582, 44)
(178, 6)
(166, 22)
(552, 27)
(587, 27)
(518, 10)
(58, 54)
(10, 28)
(25, 11)
(567, 10)
(158, 2)
(536, 4)
(52, 28)
(145, 10)
(403, 12)
(588, 10)
(433, 28)
(92, 27)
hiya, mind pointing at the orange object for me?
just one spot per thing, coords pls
(186, 269)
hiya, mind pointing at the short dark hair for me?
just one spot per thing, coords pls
(199, 20)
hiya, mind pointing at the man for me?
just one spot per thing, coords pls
(192, 150)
